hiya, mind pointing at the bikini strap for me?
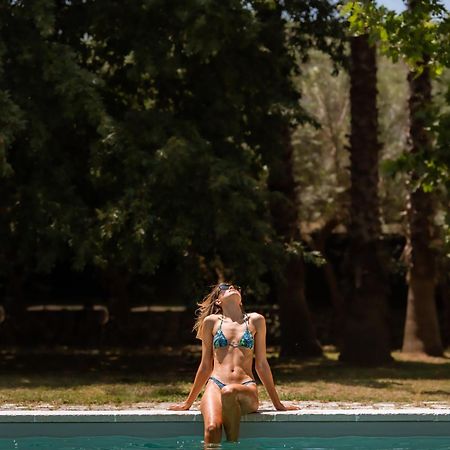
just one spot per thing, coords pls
(221, 321)
(246, 320)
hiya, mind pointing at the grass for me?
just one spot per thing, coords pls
(124, 378)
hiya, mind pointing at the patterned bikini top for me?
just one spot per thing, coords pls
(246, 340)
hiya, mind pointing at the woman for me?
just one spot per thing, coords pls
(229, 338)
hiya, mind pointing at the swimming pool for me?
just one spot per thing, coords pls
(313, 429)
(195, 443)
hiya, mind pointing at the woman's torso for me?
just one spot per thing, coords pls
(233, 362)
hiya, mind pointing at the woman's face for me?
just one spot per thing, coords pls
(230, 292)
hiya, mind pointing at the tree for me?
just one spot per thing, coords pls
(298, 337)
(322, 158)
(367, 318)
(419, 36)
(190, 110)
(136, 124)
(51, 114)
(153, 119)
(421, 333)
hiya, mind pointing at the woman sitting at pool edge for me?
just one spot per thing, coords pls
(229, 337)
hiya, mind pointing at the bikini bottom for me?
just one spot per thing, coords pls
(221, 385)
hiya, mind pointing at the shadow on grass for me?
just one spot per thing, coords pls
(327, 370)
(436, 392)
(165, 368)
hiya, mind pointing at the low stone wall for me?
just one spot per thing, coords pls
(152, 325)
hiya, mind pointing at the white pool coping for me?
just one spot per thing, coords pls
(161, 423)
(419, 414)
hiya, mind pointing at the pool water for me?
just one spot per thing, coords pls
(195, 442)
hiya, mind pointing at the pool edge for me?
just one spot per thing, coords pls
(159, 423)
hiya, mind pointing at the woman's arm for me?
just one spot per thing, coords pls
(204, 369)
(262, 365)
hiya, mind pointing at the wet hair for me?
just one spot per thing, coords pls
(205, 308)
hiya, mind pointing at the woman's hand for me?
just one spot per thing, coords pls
(179, 407)
(282, 407)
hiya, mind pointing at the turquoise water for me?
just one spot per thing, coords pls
(191, 443)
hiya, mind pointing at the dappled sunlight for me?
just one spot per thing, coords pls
(126, 378)
(408, 379)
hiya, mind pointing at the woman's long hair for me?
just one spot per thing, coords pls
(205, 308)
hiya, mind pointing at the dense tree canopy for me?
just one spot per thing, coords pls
(174, 143)
(141, 135)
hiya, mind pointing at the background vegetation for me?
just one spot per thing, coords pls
(151, 148)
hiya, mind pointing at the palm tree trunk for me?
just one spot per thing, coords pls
(421, 333)
(366, 336)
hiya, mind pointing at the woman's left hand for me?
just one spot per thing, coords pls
(179, 407)
(282, 407)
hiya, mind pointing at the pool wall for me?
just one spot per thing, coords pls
(265, 423)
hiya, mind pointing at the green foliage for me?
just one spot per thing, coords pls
(320, 147)
(138, 137)
(419, 35)
(187, 143)
(316, 24)
(297, 248)
(439, 171)
(51, 110)
(320, 155)
(11, 123)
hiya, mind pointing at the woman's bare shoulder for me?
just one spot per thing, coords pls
(256, 317)
(208, 323)
(211, 319)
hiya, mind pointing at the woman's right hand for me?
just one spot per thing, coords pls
(179, 407)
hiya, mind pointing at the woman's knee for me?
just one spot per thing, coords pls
(228, 392)
(213, 429)
(250, 406)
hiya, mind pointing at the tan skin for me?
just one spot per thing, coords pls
(231, 365)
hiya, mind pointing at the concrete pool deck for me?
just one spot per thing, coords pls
(313, 419)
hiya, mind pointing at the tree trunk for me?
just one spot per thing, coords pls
(421, 333)
(298, 336)
(15, 329)
(318, 242)
(366, 336)
(444, 295)
(116, 283)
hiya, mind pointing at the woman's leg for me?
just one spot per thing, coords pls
(237, 399)
(211, 408)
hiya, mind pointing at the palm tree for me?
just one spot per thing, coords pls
(421, 333)
(366, 335)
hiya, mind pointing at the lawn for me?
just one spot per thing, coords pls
(124, 378)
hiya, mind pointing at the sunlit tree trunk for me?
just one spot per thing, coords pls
(421, 333)
(366, 335)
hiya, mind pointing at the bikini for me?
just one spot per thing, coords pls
(246, 341)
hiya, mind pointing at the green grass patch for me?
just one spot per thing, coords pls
(122, 378)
